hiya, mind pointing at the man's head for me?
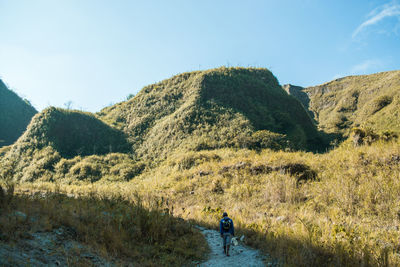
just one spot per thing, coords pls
(225, 214)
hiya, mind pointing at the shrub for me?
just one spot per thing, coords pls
(64, 165)
(88, 171)
(379, 103)
(266, 139)
(368, 136)
(191, 159)
(127, 171)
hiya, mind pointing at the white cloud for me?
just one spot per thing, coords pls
(388, 10)
(366, 65)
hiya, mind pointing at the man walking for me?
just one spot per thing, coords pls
(226, 230)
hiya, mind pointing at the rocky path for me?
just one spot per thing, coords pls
(240, 255)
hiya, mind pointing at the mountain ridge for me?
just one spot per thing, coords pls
(15, 115)
(366, 101)
(194, 103)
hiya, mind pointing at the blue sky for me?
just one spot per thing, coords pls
(95, 52)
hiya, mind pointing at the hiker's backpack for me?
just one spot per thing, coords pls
(226, 224)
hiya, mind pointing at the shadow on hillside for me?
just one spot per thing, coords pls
(257, 96)
(113, 227)
(72, 133)
(324, 142)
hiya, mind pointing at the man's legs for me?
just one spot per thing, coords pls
(224, 242)
(227, 242)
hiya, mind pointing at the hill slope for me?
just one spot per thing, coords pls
(57, 139)
(15, 115)
(72, 133)
(369, 101)
(225, 107)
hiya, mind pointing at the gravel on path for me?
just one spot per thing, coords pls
(240, 255)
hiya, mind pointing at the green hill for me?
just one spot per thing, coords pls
(15, 115)
(225, 107)
(57, 139)
(72, 133)
(366, 101)
(203, 110)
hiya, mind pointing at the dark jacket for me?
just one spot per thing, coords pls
(231, 229)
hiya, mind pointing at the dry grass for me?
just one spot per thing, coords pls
(340, 208)
(348, 215)
(114, 226)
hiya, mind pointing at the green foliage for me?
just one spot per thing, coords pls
(191, 159)
(86, 171)
(213, 109)
(112, 167)
(6, 184)
(368, 136)
(379, 103)
(266, 139)
(15, 115)
(357, 101)
(46, 165)
(130, 96)
(73, 133)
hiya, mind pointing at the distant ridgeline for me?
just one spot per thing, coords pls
(15, 115)
(366, 101)
(225, 107)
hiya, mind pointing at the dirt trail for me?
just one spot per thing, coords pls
(240, 255)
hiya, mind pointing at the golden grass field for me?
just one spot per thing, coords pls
(345, 211)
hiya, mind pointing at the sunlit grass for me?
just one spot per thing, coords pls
(348, 215)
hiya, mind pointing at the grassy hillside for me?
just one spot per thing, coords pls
(63, 136)
(306, 209)
(72, 133)
(15, 115)
(366, 101)
(232, 139)
(225, 107)
(339, 208)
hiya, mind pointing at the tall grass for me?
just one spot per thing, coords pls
(348, 215)
(112, 225)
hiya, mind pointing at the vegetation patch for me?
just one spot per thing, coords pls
(357, 101)
(72, 133)
(205, 110)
